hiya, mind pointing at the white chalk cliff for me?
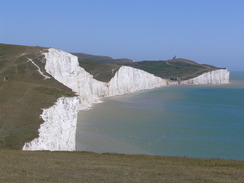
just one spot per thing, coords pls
(220, 76)
(128, 80)
(57, 133)
(58, 130)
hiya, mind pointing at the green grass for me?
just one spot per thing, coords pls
(24, 94)
(101, 67)
(103, 59)
(67, 167)
(53, 91)
(181, 68)
(100, 71)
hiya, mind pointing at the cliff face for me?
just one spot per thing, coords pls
(59, 127)
(64, 67)
(128, 79)
(58, 130)
(220, 76)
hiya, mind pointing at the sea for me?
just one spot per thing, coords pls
(185, 121)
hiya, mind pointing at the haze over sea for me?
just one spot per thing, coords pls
(191, 121)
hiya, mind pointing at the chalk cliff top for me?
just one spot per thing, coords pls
(27, 87)
(24, 94)
(103, 67)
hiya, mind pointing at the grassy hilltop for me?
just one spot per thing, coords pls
(104, 70)
(178, 67)
(24, 94)
(25, 91)
(102, 59)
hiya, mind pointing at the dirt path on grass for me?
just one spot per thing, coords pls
(38, 69)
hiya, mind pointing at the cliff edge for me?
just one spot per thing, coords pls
(57, 133)
(42, 90)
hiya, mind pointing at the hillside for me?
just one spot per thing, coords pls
(26, 89)
(100, 71)
(103, 67)
(39, 113)
(181, 68)
(24, 93)
(103, 59)
(66, 167)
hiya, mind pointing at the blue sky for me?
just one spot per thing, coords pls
(206, 31)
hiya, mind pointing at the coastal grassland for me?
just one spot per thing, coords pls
(181, 68)
(103, 59)
(24, 94)
(67, 167)
(100, 71)
(175, 68)
(103, 67)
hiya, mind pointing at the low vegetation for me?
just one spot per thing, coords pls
(102, 59)
(175, 68)
(67, 167)
(23, 94)
(103, 68)
(100, 71)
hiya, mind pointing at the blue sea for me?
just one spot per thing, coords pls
(184, 121)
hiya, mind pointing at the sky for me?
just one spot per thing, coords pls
(206, 31)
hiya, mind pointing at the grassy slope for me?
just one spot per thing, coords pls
(21, 100)
(101, 67)
(24, 94)
(103, 59)
(67, 167)
(100, 71)
(182, 68)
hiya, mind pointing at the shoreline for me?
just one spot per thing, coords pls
(64, 67)
(101, 111)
